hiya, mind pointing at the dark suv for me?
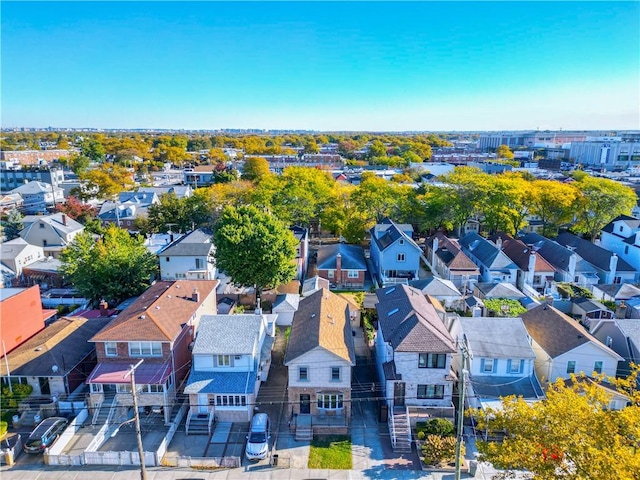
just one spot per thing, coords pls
(45, 434)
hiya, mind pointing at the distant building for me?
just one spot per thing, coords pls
(606, 153)
(39, 196)
(33, 157)
(12, 178)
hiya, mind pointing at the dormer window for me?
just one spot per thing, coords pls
(401, 242)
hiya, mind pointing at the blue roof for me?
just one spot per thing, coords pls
(221, 382)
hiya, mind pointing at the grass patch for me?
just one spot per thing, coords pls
(332, 452)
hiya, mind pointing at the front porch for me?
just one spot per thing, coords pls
(306, 425)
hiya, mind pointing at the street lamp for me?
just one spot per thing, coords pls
(136, 417)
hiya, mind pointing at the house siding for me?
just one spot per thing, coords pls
(412, 376)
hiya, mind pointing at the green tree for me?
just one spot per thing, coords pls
(254, 248)
(571, 435)
(374, 197)
(93, 149)
(377, 149)
(553, 203)
(13, 225)
(466, 193)
(79, 163)
(599, 201)
(116, 266)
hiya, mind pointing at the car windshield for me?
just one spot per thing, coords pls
(257, 437)
(34, 442)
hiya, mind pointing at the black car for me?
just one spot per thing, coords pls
(45, 434)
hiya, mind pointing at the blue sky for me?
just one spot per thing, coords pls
(322, 66)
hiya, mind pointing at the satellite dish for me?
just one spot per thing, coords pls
(54, 369)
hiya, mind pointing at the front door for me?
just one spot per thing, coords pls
(398, 394)
(44, 385)
(203, 403)
(305, 404)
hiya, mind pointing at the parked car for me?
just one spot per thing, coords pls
(258, 438)
(45, 434)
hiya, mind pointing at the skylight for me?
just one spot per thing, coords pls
(395, 310)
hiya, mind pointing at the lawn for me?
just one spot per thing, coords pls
(331, 452)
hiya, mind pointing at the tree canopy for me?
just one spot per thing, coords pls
(572, 434)
(254, 248)
(115, 267)
(13, 225)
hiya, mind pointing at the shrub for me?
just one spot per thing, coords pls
(437, 450)
(421, 435)
(436, 426)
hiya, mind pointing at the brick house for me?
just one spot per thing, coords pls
(343, 265)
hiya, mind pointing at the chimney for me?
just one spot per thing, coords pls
(339, 269)
(104, 306)
(499, 243)
(531, 268)
(64, 219)
(436, 244)
(621, 311)
(613, 266)
(195, 296)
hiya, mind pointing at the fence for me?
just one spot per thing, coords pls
(8, 455)
(162, 449)
(201, 462)
(119, 458)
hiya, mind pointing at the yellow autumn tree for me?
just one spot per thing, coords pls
(572, 434)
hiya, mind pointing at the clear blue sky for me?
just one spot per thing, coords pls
(322, 66)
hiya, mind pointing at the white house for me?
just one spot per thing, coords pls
(413, 356)
(563, 346)
(38, 196)
(286, 305)
(494, 265)
(622, 236)
(17, 254)
(231, 357)
(189, 257)
(394, 254)
(500, 360)
(51, 232)
(319, 358)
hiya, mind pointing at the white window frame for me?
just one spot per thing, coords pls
(515, 366)
(352, 274)
(431, 392)
(330, 273)
(230, 401)
(114, 352)
(305, 377)
(330, 401)
(333, 372)
(488, 362)
(571, 366)
(595, 366)
(223, 360)
(145, 349)
(123, 387)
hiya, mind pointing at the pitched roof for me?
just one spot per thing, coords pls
(451, 255)
(482, 332)
(555, 332)
(387, 232)
(592, 253)
(196, 243)
(499, 290)
(62, 344)
(60, 222)
(490, 386)
(159, 313)
(352, 257)
(410, 323)
(11, 249)
(436, 287)
(221, 382)
(554, 253)
(632, 222)
(519, 254)
(228, 334)
(620, 291)
(34, 187)
(286, 302)
(322, 320)
(486, 252)
(314, 283)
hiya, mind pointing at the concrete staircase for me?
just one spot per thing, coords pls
(199, 425)
(103, 412)
(400, 430)
(304, 428)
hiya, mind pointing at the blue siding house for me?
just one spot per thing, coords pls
(394, 254)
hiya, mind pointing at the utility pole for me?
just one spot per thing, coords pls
(462, 344)
(134, 393)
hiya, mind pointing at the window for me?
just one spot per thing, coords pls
(515, 366)
(167, 259)
(96, 388)
(330, 273)
(432, 360)
(430, 391)
(153, 388)
(145, 349)
(224, 360)
(231, 400)
(621, 228)
(198, 263)
(123, 388)
(597, 367)
(111, 349)
(352, 273)
(488, 365)
(41, 225)
(571, 366)
(400, 257)
(335, 374)
(401, 242)
(330, 401)
(303, 374)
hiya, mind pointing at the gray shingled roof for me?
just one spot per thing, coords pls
(436, 287)
(392, 232)
(352, 257)
(482, 333)
(196, 243)
(410, 323)
(499, 290)
(486, 252)
(594, 254)
(489, 386)
(632, 222)
(228, 334)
